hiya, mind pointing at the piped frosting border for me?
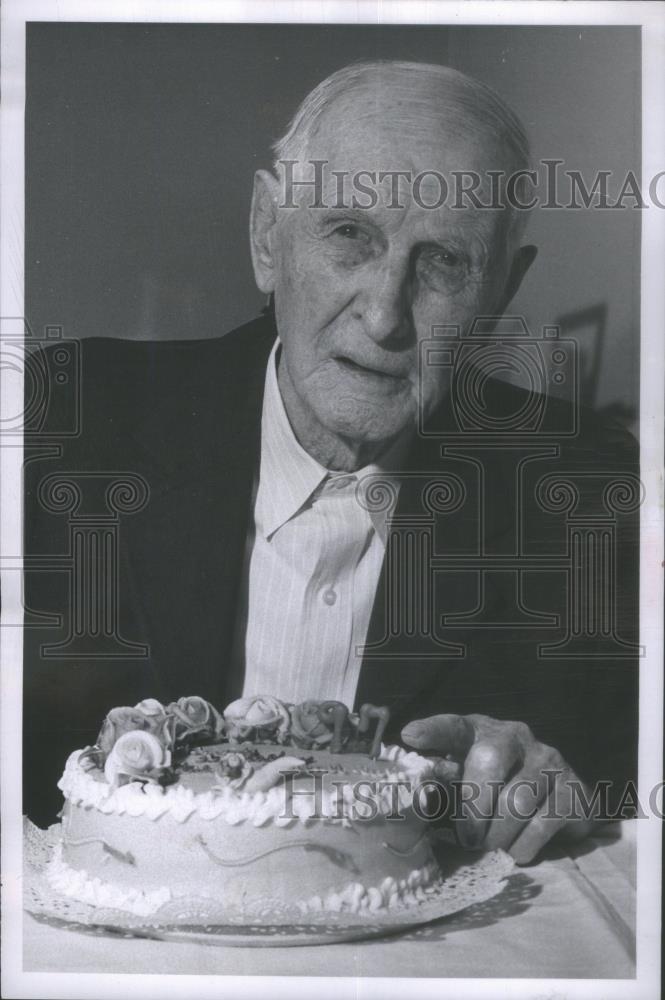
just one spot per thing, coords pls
(353, 898)
(232, 806)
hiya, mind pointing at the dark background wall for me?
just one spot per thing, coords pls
(141, 143)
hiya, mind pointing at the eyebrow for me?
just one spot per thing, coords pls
(333, 213)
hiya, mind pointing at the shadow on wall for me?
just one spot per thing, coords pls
(587, 327)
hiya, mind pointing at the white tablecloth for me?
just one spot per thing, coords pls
(570, 916)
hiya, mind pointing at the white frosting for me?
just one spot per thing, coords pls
(77, 884)
(356, 898)
(233, 806)
(353, 898)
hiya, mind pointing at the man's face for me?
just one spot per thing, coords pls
(356, 290)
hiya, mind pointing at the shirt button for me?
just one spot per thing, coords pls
(329, 596)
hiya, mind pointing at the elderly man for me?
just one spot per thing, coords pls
(258, 564)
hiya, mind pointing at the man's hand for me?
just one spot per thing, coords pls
(516, 792)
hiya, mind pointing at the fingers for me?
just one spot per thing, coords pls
(556, 813)
(515, 792)
(538, 832)
(486, 769)
(446, 771)
(517, 804)
(446, 734)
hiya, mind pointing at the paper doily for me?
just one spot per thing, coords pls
(270, 922)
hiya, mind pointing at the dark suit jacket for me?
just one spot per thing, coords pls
(185, 417)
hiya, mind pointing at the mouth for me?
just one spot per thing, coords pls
(356, 368)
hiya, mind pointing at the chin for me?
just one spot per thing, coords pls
(366, 426)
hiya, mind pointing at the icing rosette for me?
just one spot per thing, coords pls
(195, 717)
(150, 707)
(234, 768)
(136, 754)
(307, 728)
(256, 718)
(149, 716)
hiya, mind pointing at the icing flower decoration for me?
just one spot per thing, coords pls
(126, 720)
(161, 721)
(136, 754)
(195, 716)
(308, 729)
(235, 768)
(151, 707)
(257, 718)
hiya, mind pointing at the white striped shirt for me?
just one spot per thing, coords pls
(314, 555)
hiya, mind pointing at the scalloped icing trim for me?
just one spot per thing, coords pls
(235, 806)
(353, 898)
(77, 884)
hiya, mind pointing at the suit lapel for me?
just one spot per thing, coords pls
(184, 555)
(403, 652)
(410, 655)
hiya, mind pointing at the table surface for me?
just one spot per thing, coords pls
(572, 915)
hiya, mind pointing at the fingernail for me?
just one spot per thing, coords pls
(522, 858)
(523, 862)
(413, 732)
(447, 770)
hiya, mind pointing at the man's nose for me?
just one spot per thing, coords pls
(383, 305)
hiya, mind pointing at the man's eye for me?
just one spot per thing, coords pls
(349, 231)
(443, 269)
(445, 258)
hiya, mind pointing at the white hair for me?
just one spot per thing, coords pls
(467, 104)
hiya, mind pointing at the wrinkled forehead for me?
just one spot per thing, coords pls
(401, 177)
(398, 153)
(398, 127)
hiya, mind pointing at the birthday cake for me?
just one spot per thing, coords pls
(264, 804)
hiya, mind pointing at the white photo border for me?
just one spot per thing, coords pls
(651, 16)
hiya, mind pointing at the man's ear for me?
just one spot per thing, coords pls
(262, 221)
(522, 261)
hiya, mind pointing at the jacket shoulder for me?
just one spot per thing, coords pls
(585, 434)
(143, 361)
(114, 383)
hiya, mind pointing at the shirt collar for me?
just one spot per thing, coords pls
(289, 476)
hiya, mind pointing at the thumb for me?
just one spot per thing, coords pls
(446, 734)
(447, 770)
